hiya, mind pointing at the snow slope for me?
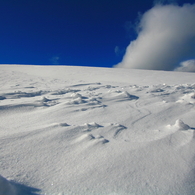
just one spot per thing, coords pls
(78, 130)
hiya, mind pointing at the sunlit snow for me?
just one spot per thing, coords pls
(95, 131)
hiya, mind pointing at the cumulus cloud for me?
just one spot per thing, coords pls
(166, 37)
(187, 66)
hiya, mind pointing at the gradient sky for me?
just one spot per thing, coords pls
(69, 32)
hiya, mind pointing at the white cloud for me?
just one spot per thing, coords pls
(166, 37)
(187, 66)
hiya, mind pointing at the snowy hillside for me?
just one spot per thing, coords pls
(96, 131)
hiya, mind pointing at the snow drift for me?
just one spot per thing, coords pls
(80, 130)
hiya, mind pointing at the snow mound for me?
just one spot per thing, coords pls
(86, 138)
(181, 125)
(44, 99)
(92, 125)
(6, 188)
(118, 96)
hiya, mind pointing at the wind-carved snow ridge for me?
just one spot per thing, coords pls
(2, 97)
(64, 91)
(75, 130)
(22, 94)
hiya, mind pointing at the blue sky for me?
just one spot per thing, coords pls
(68, 32)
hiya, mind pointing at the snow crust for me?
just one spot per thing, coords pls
(78, 130)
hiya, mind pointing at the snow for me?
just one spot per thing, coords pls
(6, 187)
(79, 130)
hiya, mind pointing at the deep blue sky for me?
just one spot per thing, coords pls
(68, 32)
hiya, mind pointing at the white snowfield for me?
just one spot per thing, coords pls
(96, 131)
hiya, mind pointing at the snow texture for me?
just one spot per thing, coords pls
(96, 131)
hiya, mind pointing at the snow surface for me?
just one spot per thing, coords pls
(96, 131)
